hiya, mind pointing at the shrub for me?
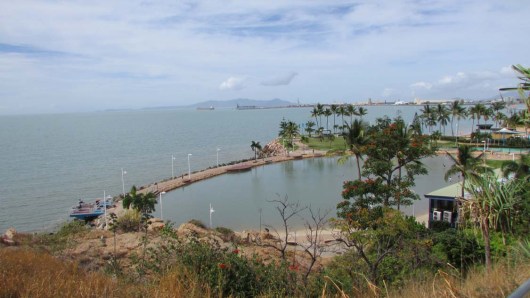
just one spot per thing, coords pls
(197, 223)
(129, 221)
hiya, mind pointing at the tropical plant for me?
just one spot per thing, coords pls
(309, 127)
(458, 111)
(520, 169)
(491, 205)
(356, 139)
(442, 116)
(141, 202)
(256, 148)
(362, 111)
(327, 113)
(333, 109)
(288, 131)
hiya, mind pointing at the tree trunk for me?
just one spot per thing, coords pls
(358, 167)
(487, 244)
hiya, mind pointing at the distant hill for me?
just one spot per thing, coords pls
(242, 102)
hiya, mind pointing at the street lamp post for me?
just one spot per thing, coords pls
(218, 149)
(123, 181)
(211, 211)
(172, 167)
(162, 206)
(189, 166)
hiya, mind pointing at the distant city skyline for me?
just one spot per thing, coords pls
(77, 56)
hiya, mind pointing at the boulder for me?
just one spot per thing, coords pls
(9, 236)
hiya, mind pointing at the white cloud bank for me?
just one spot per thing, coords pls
(233, 83)
(465, 81)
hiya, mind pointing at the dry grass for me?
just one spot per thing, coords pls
(25, 273)
(500, 282)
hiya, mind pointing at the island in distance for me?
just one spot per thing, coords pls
(243, 103)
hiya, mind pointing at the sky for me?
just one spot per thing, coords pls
(76, 56)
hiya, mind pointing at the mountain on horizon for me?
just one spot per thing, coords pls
(276, 102)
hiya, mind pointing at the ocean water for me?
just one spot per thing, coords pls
(48, 162)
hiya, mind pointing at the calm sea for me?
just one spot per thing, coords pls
(48, 162)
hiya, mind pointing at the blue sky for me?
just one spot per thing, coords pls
(71, 56)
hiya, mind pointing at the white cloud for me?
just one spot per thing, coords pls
(280, 80)
(233, 83)
(421, 85)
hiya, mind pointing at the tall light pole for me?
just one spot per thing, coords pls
(218, 149)
(162, 206)
(105, 206)
(189, 166)
(211, 211)
(123, 181)
(172, 167)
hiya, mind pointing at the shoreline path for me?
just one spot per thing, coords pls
(180, 181)
(301, 153)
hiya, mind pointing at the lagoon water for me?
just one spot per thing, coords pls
(48, 162)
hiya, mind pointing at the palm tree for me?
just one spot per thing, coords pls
(427, 115)
(442, 116)
(498, 115)
(472, 112)
(352, 111)
(314, 113)
(465, 164)
(141, 202)
(333, 109)
(309, 127)
(362, 111)
(356, 139)
(256, 147)
(520, 169)
(327, 113)
(458, 111)
(342, 112)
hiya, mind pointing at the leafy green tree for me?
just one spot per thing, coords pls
(393, 159)
(384, 242)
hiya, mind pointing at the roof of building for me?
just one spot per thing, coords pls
(450, 191)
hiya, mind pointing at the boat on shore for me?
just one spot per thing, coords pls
(90, 210)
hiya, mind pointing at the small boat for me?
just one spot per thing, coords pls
(90, 210)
